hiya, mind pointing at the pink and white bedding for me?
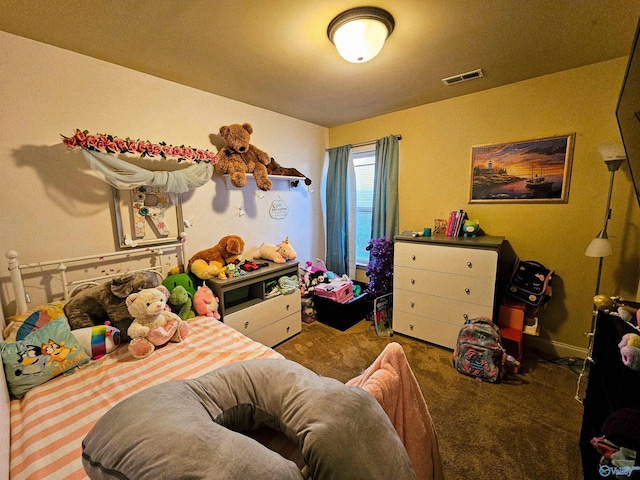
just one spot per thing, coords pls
(50, 421)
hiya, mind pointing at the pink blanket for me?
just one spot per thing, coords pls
(392, 382)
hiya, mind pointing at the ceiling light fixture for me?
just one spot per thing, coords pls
(359, 33)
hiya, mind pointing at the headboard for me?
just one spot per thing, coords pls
(68, 273)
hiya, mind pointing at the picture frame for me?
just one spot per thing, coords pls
(147, 216)
(525, 171)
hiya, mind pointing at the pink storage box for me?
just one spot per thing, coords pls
(339, 291)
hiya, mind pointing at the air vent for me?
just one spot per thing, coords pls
(463, 77)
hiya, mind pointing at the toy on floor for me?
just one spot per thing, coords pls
(210, 263)
(239, 157)
(152, 325)
(279, 253)
(206, 303)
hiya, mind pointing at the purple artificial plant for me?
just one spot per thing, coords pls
(380, 267)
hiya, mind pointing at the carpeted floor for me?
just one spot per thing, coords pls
(525, 428)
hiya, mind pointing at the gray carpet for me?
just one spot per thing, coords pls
(525, 428)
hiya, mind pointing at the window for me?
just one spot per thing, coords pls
(364, 166)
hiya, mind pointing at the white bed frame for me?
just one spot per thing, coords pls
(59, 267)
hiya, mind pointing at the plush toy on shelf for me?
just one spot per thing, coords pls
(471, 227)
(616, 306)
(279, 253)
(152, 325)
(210, 263)
(239, 157)
(206, 303)
(274, 168)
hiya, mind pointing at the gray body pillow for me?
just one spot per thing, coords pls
(187, 429)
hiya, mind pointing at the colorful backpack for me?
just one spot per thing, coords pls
(479, 352)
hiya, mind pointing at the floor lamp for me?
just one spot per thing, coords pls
(600, 246)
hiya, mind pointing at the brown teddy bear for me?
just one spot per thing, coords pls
(239, 157)
(274, 168)
(210, 263)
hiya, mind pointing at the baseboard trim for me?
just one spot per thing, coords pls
(557, 349)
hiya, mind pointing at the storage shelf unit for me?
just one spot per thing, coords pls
(244, 304)
(611, 386)
(441, 281)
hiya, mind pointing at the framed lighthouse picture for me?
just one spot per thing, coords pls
(528, 171)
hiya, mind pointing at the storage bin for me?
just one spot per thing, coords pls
(338, 291)
(343, 315)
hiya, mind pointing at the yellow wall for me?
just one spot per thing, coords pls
(435, 167)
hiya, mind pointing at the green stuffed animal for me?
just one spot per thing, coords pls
(181, 303)
(180, 279)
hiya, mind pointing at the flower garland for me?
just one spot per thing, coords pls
(110, 144)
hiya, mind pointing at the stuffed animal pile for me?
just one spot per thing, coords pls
(239, 157)
(630, 343)
(210, 263)
(153, 325)
(630, 350)
(95, 305)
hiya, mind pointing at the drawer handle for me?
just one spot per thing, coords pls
(467, 291)
(410, 326)
(469, 264)
(287, 307)
(411, 304)
(465, 316)
(246, 324)
(413, 257)
(288, 329)
(413, 281)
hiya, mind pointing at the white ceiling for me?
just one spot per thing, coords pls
(275, 54)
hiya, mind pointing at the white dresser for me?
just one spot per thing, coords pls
(245, 306)
(440, 281)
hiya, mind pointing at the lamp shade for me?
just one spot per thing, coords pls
(599, 247)
(359, 34)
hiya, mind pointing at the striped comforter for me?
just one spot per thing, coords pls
(49, 423)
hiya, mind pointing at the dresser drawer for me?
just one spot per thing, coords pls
(459, 260)
(458, 287)
(427, 329)
(442, 309)
(278, 331)
(264, 313)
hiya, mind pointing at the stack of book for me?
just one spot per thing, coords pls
(455, 222)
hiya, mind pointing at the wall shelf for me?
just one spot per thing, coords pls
(292, 181)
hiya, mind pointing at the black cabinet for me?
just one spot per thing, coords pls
(611, 386)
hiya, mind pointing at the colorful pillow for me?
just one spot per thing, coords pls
(20, 326)
(98, 340)
(41, 356)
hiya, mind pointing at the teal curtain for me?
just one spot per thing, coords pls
(337, 202)
(384, 218)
